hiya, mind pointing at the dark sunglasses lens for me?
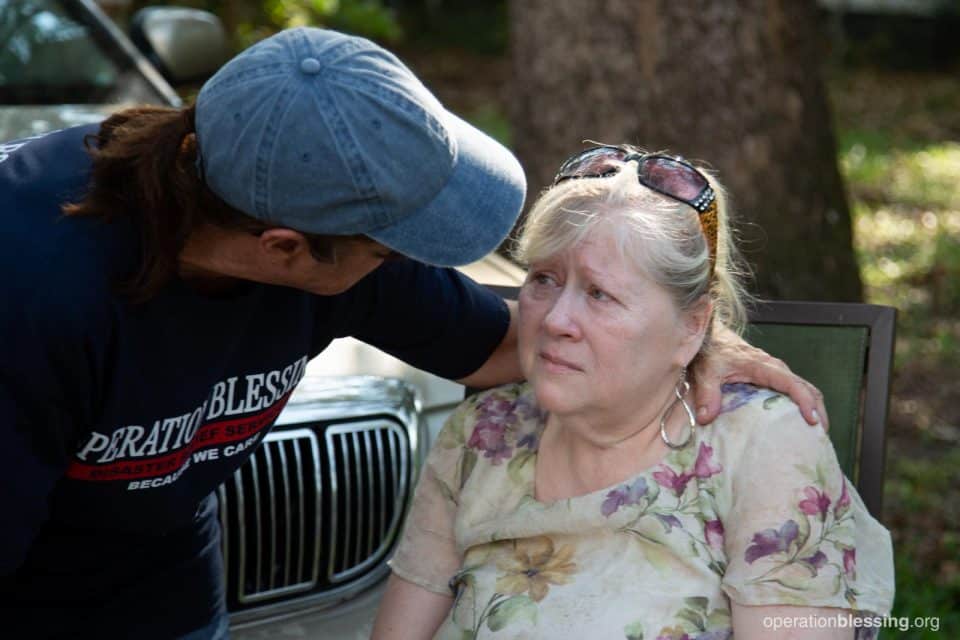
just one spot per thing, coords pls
(675, 178)
(592, 162)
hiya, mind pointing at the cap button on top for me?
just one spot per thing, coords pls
(310, 66)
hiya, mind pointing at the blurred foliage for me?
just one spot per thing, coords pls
(467, 25)
(251, 20)
(490, 120)
(477, 27)
(927, 566)
(904, 182)
(912, 175)
(899, 149)
(897, 40)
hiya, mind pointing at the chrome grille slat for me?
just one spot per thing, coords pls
(318, 516)
(333, 513)
(347, 510)
(393, 459)
(286, 511)
(357, 467)
(268, 461)
(383, 485)
(371, 508)
(302, 519)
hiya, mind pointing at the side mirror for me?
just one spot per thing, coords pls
(186, 45)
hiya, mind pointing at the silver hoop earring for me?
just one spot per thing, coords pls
(680, 391)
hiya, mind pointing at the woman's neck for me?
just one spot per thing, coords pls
(579, 454)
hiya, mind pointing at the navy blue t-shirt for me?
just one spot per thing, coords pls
(109, 524)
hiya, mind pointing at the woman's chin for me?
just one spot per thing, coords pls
(555, 396)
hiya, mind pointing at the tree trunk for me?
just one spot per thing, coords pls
(734, 83)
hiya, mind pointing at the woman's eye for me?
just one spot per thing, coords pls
(597, 294)
(542, 279)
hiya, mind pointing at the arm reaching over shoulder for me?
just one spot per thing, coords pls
(503, 365)
(731, 359)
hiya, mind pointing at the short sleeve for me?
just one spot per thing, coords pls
(436, 319)
(427, 554)
(795, 530)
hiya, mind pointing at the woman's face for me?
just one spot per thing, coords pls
(596, 334)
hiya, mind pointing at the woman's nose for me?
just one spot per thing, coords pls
(561, 319)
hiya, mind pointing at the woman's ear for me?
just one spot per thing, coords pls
(283, 246)
(694, 324)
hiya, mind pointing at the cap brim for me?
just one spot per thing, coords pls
(472, 213)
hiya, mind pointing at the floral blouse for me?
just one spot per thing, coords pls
(754, 510)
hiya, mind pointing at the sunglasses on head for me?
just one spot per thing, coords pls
(672, 177)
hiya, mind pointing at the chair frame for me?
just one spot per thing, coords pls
(880, 322)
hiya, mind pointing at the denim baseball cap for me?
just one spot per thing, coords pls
(327, 133)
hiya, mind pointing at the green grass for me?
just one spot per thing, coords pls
(919, 597)
(927, 549)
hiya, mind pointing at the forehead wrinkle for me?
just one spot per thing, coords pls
(604, 263)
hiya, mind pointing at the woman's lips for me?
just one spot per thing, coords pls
(557, 363)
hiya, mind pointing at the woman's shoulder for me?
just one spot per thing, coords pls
(794, 527)
(753, 416)
(741, 398)
(743, 404)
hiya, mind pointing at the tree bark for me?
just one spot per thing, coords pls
(735, 83)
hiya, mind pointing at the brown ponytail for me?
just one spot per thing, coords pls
(143, 168)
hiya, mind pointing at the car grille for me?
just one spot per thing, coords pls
(314, 508)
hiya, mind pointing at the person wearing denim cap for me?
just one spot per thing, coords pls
(168, 264)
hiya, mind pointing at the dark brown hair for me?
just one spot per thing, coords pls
(144, 168)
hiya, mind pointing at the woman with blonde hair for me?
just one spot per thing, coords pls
(584, 503)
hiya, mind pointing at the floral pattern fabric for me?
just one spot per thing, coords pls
(754, 510)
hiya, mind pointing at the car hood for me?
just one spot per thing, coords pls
(31, 120)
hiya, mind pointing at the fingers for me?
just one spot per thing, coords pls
(822, 414)
(820, 411)
(707, 392)
(810, 401)
(707, 397)
(805, 395)
(802, 394)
